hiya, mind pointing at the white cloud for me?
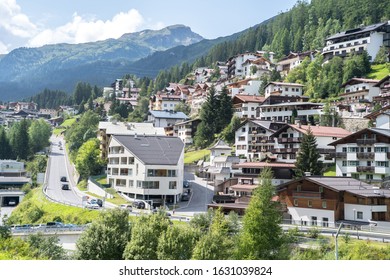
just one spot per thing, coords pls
(14, 21)
(3, 48)
(81, 29)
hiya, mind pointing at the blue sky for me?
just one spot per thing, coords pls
(33, 23)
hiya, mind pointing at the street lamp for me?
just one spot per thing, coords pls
(336, 243)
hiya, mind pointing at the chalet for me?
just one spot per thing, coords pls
(381, 118)
(358, 95)
(255, 68)
(186, 130)
(289, 62)
(26, 106)
(365, 38)
(235, 63)
(245, 106)
(326, 201)
(252, 138)
(384, 95)
(165, 118)
(289, 139)
(364, 155)
(160, 101)
(284, 89)
(246, 86)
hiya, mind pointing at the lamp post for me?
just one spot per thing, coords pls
(336, 243)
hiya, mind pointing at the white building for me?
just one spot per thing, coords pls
(160, 102)
(11, 168)
(289, 138)
(292, 60)
(366, 38)
(252, 139)
(364, 154)
(245, 106)
(186, 130)
(148, 168)
(166, 118)
(262, 66)
(283, 89)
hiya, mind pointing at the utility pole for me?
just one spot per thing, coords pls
(336, 243)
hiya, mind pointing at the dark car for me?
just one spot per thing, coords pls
(185, 197)
(139, 204)
(186, 184)
(97, 201)
(63, 179)
(65, 187)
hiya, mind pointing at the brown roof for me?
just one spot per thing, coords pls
(240, 187)
(250, 98)
(323, 130)
(264, 164)
(355, 81)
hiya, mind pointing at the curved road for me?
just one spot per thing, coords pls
(57, 168)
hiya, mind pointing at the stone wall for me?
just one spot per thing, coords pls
(354, 124)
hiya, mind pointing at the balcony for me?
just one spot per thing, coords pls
(365, 155)
(290, 140)
(365, 141)
(338, 155)
(365, 168)
(285, 151)
(303, 194)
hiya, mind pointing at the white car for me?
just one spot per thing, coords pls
(91, 205)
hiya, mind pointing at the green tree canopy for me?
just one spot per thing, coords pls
(308, 156)
(88, 161)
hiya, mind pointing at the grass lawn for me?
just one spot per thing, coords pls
(67, 123)
(331, 171)
(36, 209)
(195, 156)
(378, 72)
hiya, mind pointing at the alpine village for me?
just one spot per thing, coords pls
(269, 144)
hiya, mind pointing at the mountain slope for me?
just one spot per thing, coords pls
(58, 65)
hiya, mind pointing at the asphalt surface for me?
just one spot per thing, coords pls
(57, 168)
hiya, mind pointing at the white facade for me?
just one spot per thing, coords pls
(356, 92)
(304, 216)
(11, 167)
(383, 121)
(284, 89)
(283, 111)
(368, 162)
(129, 175)
(351, 211)
(252, 141)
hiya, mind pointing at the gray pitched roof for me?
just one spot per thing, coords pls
(168, 115)
(153, 150)
(355, 31)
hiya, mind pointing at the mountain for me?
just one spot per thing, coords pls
(24, 71)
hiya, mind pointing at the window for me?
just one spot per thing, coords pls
(344, 174)
(325, 222)
(382, 163)
(299, 187)
(148, 184)
(381, 149)
(344, 149)
(353, 163)
(131, 160)
(161, 173)
(131, 183)
(295, 202)
(321, 189)
(359, 215)
(355, 176)
(172, 185)
(353, 149)
(313, 221)
(369, 176)
(309, 203)
(241, 138)
(243, 129)
(324, 205)
(344, 163)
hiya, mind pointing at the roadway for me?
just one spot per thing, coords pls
(58, 167)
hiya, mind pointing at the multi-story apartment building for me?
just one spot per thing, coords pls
(255, 68)
(186, 130)
(289, 62)
(357, 94)
(364, 155)
(283, 89)
(107, 129)
(288, 140)
(252, 139)
(325, 201)
(148, 168)
(283, 112)
(245, 106)
(166, 118)
(160, 102)
(366, 38)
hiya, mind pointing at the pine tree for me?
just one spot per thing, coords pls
(5, 147)
(208, 127)
(261, 236)
(225, 112)
(308, 156)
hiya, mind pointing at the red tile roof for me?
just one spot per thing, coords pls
(323, 130)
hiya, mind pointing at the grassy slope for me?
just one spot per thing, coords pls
(331, 171)
(67, 123)
(378, 72)
(194, 156)
(35, 209)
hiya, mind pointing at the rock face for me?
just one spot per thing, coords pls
(27, 70)
(354, 124)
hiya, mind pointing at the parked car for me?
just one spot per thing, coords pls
(65, 187)
(186, 184)
(54, 225)
(185, 196)
(127, 207)
(11, 202)
(139, 204)
(97, 201)
(90, 205)
(63, 179)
